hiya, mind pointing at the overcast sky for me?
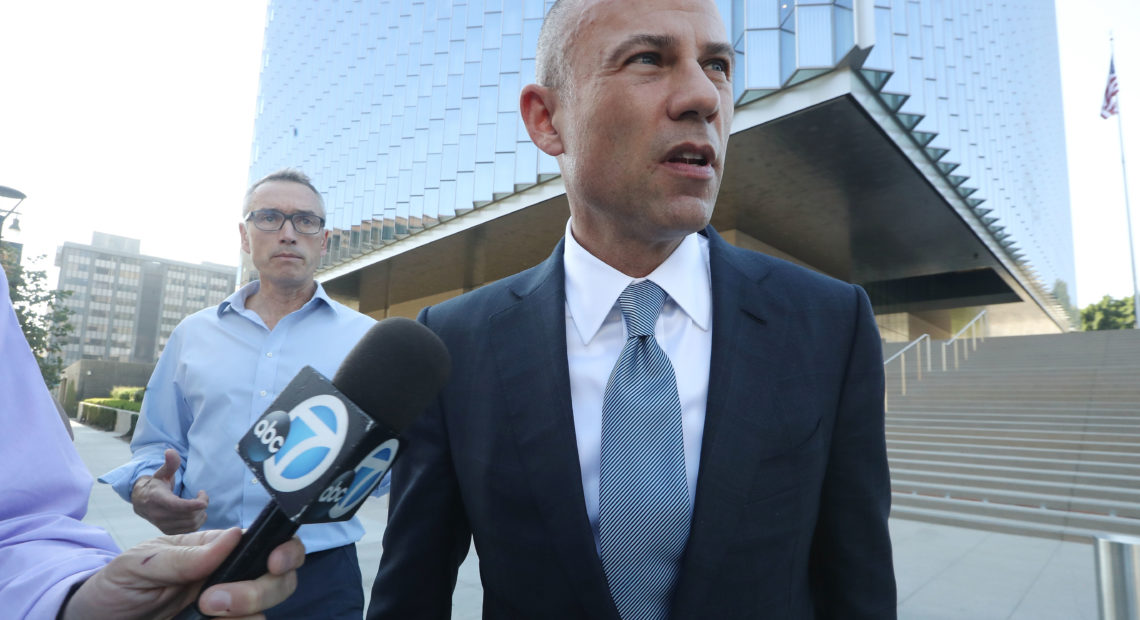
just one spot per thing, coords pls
(130, 117)
(136, 118)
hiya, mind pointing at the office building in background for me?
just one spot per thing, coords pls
(915, 147)
(126, 304)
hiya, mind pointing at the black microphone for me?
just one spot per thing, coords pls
(321, 448)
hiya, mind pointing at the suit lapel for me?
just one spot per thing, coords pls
(745, 356)
(529, 339)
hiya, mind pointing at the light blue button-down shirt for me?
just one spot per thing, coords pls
(219, 372)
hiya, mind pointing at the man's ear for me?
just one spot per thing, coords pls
(537, 105)
(324, 242)
(244, 238)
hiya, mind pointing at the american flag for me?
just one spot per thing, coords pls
(1111, 103)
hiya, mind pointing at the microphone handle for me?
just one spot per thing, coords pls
(249, 560)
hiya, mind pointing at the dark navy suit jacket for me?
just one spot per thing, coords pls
(793, 493)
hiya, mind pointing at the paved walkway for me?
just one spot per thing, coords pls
(942, 572)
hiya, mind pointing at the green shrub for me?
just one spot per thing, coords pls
(117, 403)
(99, 416)
(124, 392)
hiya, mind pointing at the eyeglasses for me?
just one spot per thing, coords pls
(271, 220)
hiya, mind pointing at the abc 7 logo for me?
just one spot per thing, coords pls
(291, 463)
(266, 432)
(348, 490)
(334, 493)
(266, 438)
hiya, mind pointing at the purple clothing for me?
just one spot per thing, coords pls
(44, 546)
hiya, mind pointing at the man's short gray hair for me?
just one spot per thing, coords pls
(553, 43)
(291, 175)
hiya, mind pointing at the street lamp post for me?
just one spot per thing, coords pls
(18, 196)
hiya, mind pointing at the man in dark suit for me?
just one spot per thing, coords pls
(651, 423)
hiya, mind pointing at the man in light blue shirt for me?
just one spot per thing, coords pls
(221, 369)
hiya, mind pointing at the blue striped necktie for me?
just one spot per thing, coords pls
(643, 505)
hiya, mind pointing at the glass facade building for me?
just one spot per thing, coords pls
(915, 147)
(126, 304)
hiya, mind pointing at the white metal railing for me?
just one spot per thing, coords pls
(901, 357)
(979, 323)
(968, 336)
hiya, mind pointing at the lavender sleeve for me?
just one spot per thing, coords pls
(45, 548)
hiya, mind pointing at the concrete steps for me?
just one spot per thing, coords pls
(1026, 491)
(966, 450)
(995, 518)
(1118, 483)
(1033, 435)
(1045, 460)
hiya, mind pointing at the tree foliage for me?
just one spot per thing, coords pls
(43, 316)
(1109, 313)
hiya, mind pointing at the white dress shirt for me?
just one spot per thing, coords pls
(595, 336)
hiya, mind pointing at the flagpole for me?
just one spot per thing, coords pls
(1128, 221)
(1127, 207)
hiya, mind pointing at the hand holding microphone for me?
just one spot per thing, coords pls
(322, 447)
(158, 577)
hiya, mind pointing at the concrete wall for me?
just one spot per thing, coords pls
(95, 378)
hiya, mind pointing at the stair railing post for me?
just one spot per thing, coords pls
(1117, 559)
(902, 372)
(943, 357)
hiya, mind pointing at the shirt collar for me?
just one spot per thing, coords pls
(236, 301)
(593, 287)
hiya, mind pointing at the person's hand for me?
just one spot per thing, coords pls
(158, 578)
(153, 499)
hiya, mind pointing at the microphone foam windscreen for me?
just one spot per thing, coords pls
(395, 371)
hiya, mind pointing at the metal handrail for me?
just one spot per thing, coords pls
(901, 356)
(972, 326)
(979, 322)
(907, 348)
